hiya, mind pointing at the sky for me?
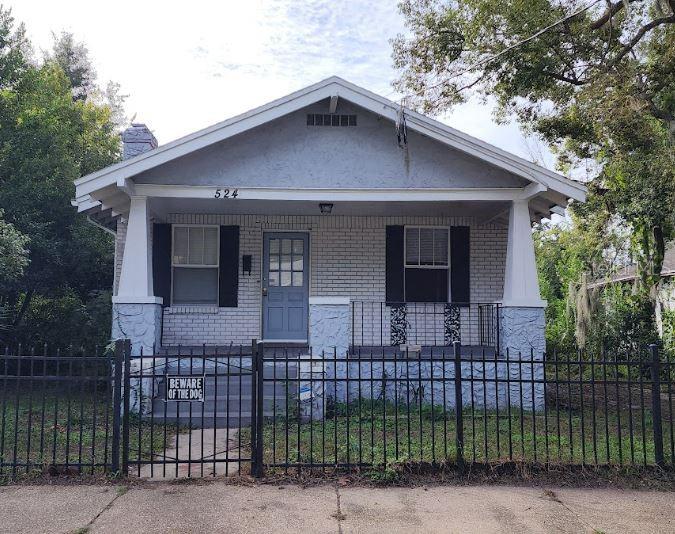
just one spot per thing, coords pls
(187, 65)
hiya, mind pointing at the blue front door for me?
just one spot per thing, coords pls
(285, 286)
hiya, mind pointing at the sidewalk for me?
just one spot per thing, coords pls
(219, 507)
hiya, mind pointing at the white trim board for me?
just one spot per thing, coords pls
(334, 86)
(337, 195)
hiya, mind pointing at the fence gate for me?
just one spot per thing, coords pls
(187, 412)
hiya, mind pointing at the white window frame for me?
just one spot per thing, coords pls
(195, 266)
(413, 266)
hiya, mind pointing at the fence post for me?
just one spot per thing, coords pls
(125, 413)
(257, 396)
(117, 404)
(459, 417)
(656, 405)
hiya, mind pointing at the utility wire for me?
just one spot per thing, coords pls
(518, 44)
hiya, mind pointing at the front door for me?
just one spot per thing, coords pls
(285, 286)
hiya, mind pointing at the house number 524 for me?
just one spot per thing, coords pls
(226, 193)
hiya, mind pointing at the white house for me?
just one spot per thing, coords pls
(329, 218)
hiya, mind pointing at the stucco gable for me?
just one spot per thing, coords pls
(286, 152)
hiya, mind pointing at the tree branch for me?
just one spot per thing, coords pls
(639, 35)
(563, 78)
(612, 10)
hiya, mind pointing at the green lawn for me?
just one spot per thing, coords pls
(380, 433)
(44, 437)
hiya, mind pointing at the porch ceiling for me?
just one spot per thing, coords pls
(482, 210)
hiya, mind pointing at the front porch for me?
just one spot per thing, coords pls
(353, 280)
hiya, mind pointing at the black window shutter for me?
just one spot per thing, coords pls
(460, 264)
(395, 274)
(161, 261)
(229, 266)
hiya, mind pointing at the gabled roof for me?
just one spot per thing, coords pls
(562, 187)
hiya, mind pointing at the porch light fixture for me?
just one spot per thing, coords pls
(326, 208)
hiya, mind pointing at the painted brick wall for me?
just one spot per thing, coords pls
(347, 259)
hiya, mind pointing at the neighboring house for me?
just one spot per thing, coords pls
(329, 218)
(666, 287)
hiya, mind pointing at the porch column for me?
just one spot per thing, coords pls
(137, 313)
(522, 323)
(521, 284)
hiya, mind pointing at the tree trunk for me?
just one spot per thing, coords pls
(24, 307)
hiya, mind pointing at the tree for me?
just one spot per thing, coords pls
(13, 253)
(52, 132)
(73, 58)
(596, 81)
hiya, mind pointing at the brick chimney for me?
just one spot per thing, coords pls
(137, 139)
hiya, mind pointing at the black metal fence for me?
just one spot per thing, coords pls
(199, 433)
(57, 412)
(373, 408)
(209, 411)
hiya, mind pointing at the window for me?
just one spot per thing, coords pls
(286, 262)
(426, 247)
(426, 264)
(194, 262)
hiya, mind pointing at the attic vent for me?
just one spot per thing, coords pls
(326, 119)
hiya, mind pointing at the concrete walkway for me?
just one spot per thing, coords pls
(220, 507)
(198, 445)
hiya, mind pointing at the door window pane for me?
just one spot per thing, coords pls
(285, 279)
(274, 246)
(274, 262)
(286, 246)
(298, 245)
(297, 279)
(286, 262)
(297, 263)
(273, 278)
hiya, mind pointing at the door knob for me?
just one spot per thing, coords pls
(264, 291)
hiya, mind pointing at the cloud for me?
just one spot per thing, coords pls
(190, 65)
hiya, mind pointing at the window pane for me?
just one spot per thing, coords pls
(273, 278)
(286, 262)
(426, 246)
(426, 285)
(297, 263)
(412, 244)
(180, 244)
(298, 246)
(195, 286)
(286, 246)
(297, 279)
(440, 246)
(210, 246)
(285, 278)
(196, 246)
(274, 246)
(274, 263)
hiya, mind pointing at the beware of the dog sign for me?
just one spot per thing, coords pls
(185, 388)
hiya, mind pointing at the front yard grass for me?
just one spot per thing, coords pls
(70, 434)
(378, 434)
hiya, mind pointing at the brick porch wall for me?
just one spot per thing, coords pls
(347, 258)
